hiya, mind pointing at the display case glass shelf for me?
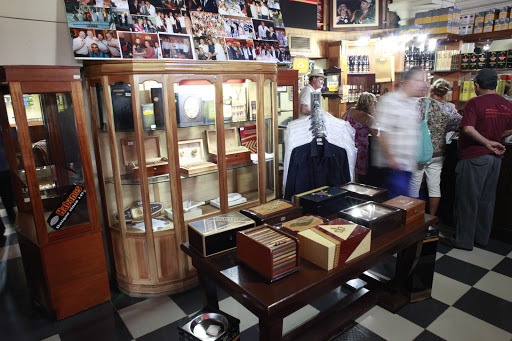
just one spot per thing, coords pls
(184, 141)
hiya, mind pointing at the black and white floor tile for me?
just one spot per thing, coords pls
(471, 300)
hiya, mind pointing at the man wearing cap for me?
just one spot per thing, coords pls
(487, 119)
(364, 15)
(316, 82)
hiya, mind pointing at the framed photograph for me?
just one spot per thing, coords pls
(355, 13)
(176, 46)
(139, 45)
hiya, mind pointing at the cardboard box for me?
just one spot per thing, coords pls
(491, 15)
(274, 212)
(479, 17)
(269, 251)
(412, 209)
(192, 159)
(492, 59)
(497, 25)
(504, 12)
(235, 152)
(502, 60)
(156, 164)
(217, 234)
(478, 30)
(335, 243)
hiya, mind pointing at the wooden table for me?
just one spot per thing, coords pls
(271, 303)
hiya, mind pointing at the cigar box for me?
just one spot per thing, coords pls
(156, 165)
(190, 110)
(217, 234)
(192, 159)
(300, 224)
(366, 192)
(334, 243)
(377, 217)
(235, 152)
(410, 208)
(324, 201)
(269, 251)
(274, 212)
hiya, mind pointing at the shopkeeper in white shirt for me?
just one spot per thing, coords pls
(316, 82)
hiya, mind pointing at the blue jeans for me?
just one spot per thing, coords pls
(396, 182)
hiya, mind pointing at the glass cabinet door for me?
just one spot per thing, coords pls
(284, 116)
(197, 147)
(240, 135)
(57, 158)
(269, 135)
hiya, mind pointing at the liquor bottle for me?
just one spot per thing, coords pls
(350, 64)
(367, 63)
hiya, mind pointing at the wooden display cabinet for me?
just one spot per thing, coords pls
(46, 142)
(188, 100)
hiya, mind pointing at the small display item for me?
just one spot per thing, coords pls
(156, 165)
(300, 224)
(190, 110)
(412, 209)
(235, 152)
(192, 158)
(148, 116)
(217, 234)
(379, 218)
(269, 251)
(324, 201)
(233, 200)
(135, 212)
(274, 212)
(366, 192)
(210, 324)
(191, 210)
(334, 243)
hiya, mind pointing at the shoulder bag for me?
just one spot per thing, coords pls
(425, 149)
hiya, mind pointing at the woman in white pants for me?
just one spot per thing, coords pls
(442, 117)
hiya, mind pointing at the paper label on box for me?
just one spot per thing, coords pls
(271, 207)
(339, 231)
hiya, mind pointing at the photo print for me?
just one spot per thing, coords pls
(275, 14)
(282, 39)
(173, 21)
(268, 51)
(278, 23)
(273, 4)
(119, 4)
(144, 7)
(240, 49)
(95, 3)
(176, 46)
(80, 16)
(175, 4)
(144, 23)
(89, 43)
(237, 27)
(210, 48)
(355, 13)
(265, 29)
(122, 19)
(207, 24)
(285, 54)
(257, 9)
(232, 7)
(138, 45)
(209, 6)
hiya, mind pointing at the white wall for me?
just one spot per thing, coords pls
(35, 32)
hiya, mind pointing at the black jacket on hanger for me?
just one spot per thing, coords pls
(312, 166)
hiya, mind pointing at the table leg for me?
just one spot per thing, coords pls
(208, 291)
(271, 329)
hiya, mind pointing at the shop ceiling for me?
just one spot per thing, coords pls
(406, 9)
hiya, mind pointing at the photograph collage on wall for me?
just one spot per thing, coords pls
(178, 29)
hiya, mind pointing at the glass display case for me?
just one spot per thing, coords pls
(58, 228)
(183, 141)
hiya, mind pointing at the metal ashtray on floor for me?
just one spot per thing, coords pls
(210, 325)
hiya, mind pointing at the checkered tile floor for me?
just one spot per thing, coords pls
(472, 300)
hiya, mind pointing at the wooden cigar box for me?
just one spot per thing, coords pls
(377, 217)
(274, 212)
(269, 251)
(300, 224)
(411, 208)
(335, 243)
(235, 152)
(366, 192)
(217, 234)
(192, 159)
(324, 201)
(156, 165)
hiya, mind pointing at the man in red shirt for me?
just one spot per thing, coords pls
(487, 119)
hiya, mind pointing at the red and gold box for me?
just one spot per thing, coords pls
(269, 251)
(300, 224)
(411, 208)
(235, 152)
(192, 160)
(156, 165)
(274, 212)
(335, 243)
